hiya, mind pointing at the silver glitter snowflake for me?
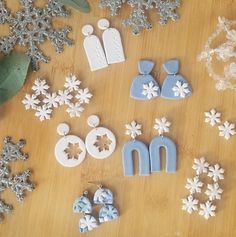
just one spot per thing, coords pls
(18, 183)
(138, 19)
(31, 26)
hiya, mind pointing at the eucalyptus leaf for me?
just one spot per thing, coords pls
(81, 5)
(13, 71)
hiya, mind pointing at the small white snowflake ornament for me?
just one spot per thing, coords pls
(227, 130)
(51, 100)
(207, 210)
(194, 185)
(40, 87)
(200, 166)
(84, 96)
(43, 112)
(181, 89)
(64, 97)
(190, 204)
(30, 101)
(212, 117)
(72, 83)
(133, 129)
(74, 109)
(150, 90)
(162, 125)
(216, 172)
(214, 191)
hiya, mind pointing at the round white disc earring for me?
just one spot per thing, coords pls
(100, 142)
(70, 150)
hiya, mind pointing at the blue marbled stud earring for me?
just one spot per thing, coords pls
(175, 86)
(133, 129)
(144, 86)
(162, 126)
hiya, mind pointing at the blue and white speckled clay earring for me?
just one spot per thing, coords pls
(175, 86)
(134, 129)
(162, 126)
(83, 205)
(104, 196)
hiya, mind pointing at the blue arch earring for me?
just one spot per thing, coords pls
(162, 126)
(134, 129)
(144, 86)
(175, 86)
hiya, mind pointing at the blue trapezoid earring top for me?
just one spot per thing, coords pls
(83, 205)
(162, 126)
(133, 129)
(144, 86)
(104, 196)
(175, 86)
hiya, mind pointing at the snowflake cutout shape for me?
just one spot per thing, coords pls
(51, 100)
(133, 129)
(200, 166)
(194, 185)
(212, 117)
(190, 204)
(162, 125)
(103, 143)
(4, 208)
(87, 223)
(30, 101)
(150, 90)
(214, 191)
(180, 89)
(84, 96)
(207, 210)
(74, 110)
(40, 87)
(32, 26)
(138, 18)
(43, 112)
(64, 97)
(73, 151)
(72, 83)
(216, 172)
(227, 130)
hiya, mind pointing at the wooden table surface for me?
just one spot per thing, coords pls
(149, 206)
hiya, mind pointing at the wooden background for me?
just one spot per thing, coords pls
(149, 206)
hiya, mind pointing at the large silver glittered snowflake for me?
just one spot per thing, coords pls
(31, 26)
(138, 19)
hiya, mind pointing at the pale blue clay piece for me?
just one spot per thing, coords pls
(108, 213)
(82, 205)
(127, 157)
(171, 66)
(145, 68)
(171, 154)
(103, 196)
(169, 83)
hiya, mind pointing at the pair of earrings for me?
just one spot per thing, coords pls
(108, 212)
(149, 157)
(113, 49)
(145, 87)
(70, 150)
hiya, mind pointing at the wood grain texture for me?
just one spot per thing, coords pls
(149, 206)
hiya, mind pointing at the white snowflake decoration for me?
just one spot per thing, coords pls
(150, 90)
(214, 191)
(216, 172)
(72, 83)
(133, 129)
(194, 185)
(190, 204)
(74, 109)
(40, 87)
(207, 209)
(212, 117)
(51, 100)
(43, 112)
(200, 165)
(30, 101)
(162, 125)
(180, 89)
(84, 96)
(64, 97)
(227, 130)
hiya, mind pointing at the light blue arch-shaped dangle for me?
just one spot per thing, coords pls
(155, 157)
(143, 154)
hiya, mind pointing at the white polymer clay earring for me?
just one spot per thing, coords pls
(100, 142)
(70, 150)
(93, 48)
(112, 42)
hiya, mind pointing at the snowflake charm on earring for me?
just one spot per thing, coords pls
(175, 86)
(70, 150)
(100, 142)
(162, 126)
(133, 130)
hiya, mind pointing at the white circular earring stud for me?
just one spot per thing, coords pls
(100, 142)
(70, 150)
